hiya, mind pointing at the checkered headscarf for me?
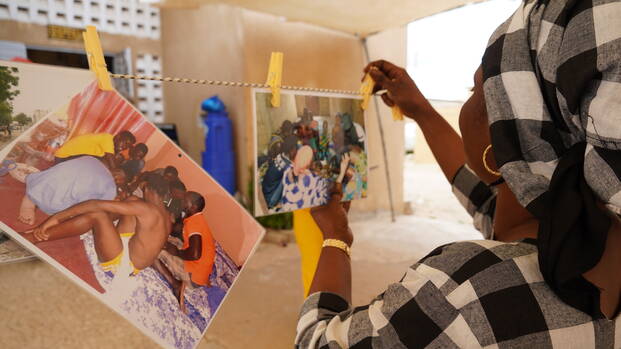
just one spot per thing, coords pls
(552, 82)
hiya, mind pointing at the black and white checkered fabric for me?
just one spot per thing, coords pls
(552, 79)
(462, 295)
(552, 83)
(477, 198)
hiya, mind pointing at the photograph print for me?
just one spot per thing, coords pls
(306, 146)
(104, 196)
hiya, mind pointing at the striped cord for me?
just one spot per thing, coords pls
(229, 83)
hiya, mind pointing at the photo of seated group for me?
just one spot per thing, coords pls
(100, 193)
(305, 146)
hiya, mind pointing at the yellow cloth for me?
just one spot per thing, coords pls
(310, 240)
(95, 144)
(114, 264)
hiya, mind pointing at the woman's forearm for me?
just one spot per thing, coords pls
(333, 273)
(445, 144)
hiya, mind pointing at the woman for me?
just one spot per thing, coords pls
(542, 142)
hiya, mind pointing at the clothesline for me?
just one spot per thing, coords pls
(229, 83)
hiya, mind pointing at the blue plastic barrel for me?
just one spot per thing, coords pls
(218, 157)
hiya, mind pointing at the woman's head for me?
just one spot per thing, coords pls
(474, 129)
(555, 132)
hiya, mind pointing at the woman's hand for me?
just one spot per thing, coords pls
(401, 89)
(332, 217)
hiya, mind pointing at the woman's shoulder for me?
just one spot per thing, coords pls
(480, 260)
(472, 248)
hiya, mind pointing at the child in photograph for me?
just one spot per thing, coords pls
(132, 167)
(272, 183)
(69, 183)
(101, 145)
(130, 246)
(191, 265)
(169, 173)
(176, 206)
(135, 163)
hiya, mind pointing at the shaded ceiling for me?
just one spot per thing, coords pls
(362, 17)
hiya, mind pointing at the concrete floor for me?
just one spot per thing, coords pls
(40, 308)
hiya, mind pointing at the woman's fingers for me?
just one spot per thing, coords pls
(389, 102)
(381, 80)
(368, 67)
(382, 65)
(375, 65)
(401, 89)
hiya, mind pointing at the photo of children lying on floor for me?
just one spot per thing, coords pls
(98, 192)
(304, 146)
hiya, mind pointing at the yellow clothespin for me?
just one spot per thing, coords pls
(274, 77)
(96, 61)
(397, 114)
(367, 89)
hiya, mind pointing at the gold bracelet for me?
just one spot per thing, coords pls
(340, 244)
